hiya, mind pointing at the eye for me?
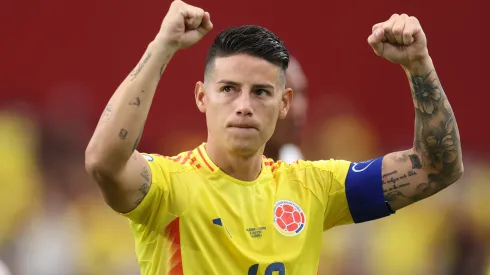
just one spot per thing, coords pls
(226, 89)
(262, 92)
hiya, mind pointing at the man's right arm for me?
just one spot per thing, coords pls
(111, 159)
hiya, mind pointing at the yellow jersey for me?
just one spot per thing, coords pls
(196, 219)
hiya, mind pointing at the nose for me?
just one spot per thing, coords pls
(244, 105)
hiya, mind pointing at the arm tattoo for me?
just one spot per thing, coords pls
(144, 190)
(123, 134)
(106, 114)
(137, 142)
(414, 159)
(389, 173)
(145, 187)
(436, 138)
(393, 177)
(435, 160)
(393, 195)
(136, 102)
(145, 174)
(140, 66)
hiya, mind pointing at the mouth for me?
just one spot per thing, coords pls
(243, 126)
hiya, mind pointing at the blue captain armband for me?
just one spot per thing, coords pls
(364, 191)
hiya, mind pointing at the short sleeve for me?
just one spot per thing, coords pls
(352, 192)
(331, 175)
(154, 209)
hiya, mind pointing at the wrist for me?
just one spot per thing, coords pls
(420, 66)
(162, 49)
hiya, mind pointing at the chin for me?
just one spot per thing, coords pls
(243, 146)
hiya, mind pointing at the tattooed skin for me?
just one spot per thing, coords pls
(123, 134)
(140, 66)
(106, 114)
(136, 143)
(145, 187)
(437, 135)
(435, 160)
(136, 102)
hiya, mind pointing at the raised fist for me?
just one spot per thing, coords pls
(400, 40)
(183, 26)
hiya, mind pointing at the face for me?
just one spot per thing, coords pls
(243, 97)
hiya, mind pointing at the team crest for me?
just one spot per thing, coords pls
(289, 218)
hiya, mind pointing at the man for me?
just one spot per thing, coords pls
(223, 208)
(283, 144)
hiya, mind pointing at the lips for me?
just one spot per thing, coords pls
(243, 125)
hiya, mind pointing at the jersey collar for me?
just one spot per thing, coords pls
(207, 165)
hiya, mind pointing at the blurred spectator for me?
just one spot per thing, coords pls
(284, 143)
(19, 174)
(4, 269)
(344, 134)
(54, 221)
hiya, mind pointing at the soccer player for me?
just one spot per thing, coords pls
(283, 145)
(224, 208)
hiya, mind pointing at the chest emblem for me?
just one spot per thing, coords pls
(289, 218)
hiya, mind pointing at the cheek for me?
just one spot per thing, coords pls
(216, 114)
(271, 118)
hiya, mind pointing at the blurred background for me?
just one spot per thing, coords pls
(62, 60)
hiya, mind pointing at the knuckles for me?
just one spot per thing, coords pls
(178, 5)
(397, 31)
(398, 23)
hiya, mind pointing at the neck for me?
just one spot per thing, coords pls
(241, 167)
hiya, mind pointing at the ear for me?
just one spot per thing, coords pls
(287, 100)
(200, 96)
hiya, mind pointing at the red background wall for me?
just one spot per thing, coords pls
(77, 52)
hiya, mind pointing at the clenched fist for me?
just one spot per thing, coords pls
(400, 40)
(183, 26)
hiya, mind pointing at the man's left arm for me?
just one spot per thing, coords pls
(435, 161)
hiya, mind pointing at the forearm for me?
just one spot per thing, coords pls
(121, 124)
(437, 141)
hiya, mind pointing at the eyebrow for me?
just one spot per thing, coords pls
(256, 86)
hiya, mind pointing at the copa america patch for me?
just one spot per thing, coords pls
(289, 218)
(148, 157)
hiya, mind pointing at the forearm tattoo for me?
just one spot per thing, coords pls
(435, 160)
(136, 143)
(436, 132)
(140, 66)
(106, 114)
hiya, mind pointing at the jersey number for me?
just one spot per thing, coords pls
(279, 267)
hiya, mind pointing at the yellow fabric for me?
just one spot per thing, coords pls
(177, 230)
(106, 243)
(19, 184)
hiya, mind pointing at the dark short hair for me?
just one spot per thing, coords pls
(251, 40)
